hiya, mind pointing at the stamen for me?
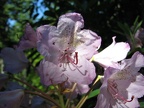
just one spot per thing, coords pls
(76, 58)
(79, 70)
(66, 58)
(131, 99)
(113, 90)
(71, 68)
(70, 59)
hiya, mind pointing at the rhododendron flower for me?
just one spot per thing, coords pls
(11, 99)
(122, 86)
(112, 54)
(14, 60)
(29, 39)
(67, 49)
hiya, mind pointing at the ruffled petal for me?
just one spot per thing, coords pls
(133, 64)
(82, 73)
(48, 43)
(137, 88)
(76, 17)
(82, 88)
(104, 99)
(50, 73)
(88, 43)
(46, 32)
(29, 39)
(68, 26)
(113, 53)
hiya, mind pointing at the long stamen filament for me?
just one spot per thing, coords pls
(114, 91)
(66, 57)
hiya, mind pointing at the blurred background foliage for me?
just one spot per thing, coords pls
(102, 16)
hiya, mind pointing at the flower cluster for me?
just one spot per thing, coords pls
(67, 51)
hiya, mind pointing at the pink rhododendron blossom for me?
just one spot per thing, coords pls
(11, 99)
(53, 41)
(122, 86)
(29, 39)
(112, 54)
(67, 49)
(14, 60)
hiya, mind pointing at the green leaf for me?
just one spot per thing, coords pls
(137, 27)
(141, 104)
(136, 20)
(94, 93)
(125, 28)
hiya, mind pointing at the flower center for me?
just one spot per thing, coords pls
(66, 57)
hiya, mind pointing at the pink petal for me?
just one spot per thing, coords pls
(133, 64)
(44, 32)
(50, 73)
(82, 88)
(137, 88)
(47, 43)
(29, 39)
(76, 17)
(88, 43)
(82, 73)
(113, 53)
(103, 99)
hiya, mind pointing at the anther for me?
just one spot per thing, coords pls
(131, 99)
(76, 58)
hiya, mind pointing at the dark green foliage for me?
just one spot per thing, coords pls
(99, 15)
